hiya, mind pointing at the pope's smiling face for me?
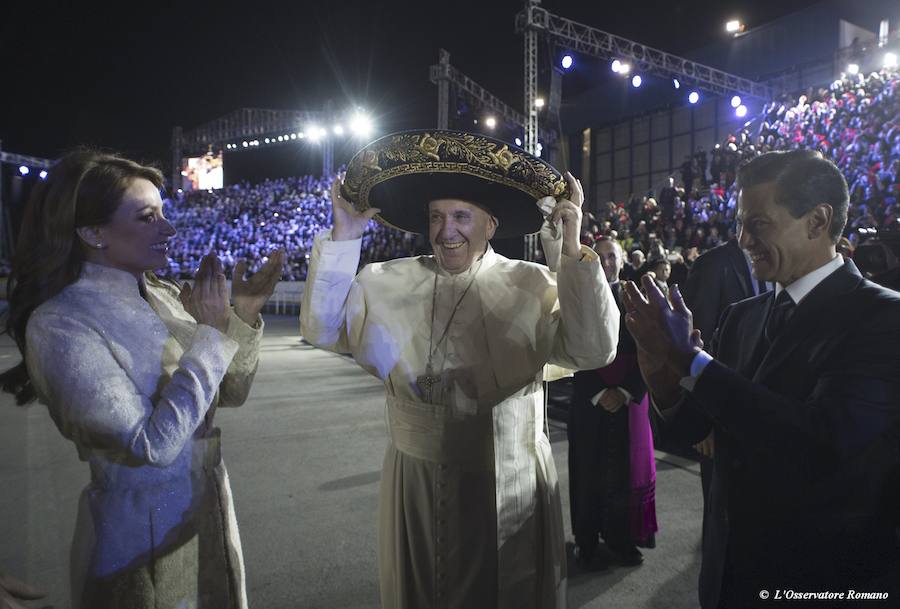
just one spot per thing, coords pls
(459, 233)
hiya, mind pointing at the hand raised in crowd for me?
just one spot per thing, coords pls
(207, 301)
(13, 590)
(612, 400)
(251, 295)
(569, 211)
(348, 223)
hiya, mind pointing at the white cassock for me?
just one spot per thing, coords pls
(470, 514)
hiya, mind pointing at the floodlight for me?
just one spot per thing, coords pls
(890, 60)
(741, 111)
(361, 125)
(23, 170)
(694, 97)
(491, 122)
(567, 62)
(675, 83)
(616, 66)
(853, 69)
(636, 81)
(539, 102)
(735, 101)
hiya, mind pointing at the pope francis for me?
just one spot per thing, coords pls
(469, 512)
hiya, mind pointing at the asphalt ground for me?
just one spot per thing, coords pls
(304, 456)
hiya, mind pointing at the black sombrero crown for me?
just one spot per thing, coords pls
(400, 173)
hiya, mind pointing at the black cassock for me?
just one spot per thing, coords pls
(599, 489)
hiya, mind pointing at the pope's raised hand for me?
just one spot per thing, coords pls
(348, 222)
(569, 211)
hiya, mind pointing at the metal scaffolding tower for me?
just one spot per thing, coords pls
(443, 75)
(531, 111)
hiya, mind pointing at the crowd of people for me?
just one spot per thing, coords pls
(248, 221)
(854, 123)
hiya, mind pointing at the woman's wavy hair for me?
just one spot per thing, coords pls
(83, 189)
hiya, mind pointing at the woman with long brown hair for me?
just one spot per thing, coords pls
(132, 369)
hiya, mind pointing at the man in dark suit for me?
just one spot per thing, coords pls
(599, 489)
(719, 278)
(802, 388)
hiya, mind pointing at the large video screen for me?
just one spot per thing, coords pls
(203, 172)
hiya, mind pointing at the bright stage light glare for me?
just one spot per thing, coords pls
(293, 136)
(694, 97)
(636, 81)
(314, 132)
(675, 83)
(625, 68)
(338, 130)
(43, 174)
(518, 142)
(567, 62)
(735, 101)
(280, 138)
(301, 135)
(23, 170)
(890, 60)
(853, 69)
(616, 66)
(491, 122)
(734, 26)
(266, 140)
(741, 111)
(539, 102)
(361, 125)
(244, 144)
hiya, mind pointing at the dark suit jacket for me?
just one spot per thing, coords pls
(806, 481)
(718, 278)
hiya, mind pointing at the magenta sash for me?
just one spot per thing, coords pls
(643, 472)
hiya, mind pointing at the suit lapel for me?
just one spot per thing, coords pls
(825, 302)
(740, 267)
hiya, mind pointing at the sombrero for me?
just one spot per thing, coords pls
(402, 172)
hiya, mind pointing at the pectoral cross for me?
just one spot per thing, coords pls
(426, 384)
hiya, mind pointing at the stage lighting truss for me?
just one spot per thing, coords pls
(587, 40)
(360, 126)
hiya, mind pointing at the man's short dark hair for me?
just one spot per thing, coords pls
(803, 179)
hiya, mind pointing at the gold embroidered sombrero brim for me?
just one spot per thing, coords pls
(402, 172)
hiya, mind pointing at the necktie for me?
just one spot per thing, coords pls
(779, 315)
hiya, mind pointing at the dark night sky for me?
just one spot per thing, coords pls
(122, 77)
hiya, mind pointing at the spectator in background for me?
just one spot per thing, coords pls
(600, 426)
